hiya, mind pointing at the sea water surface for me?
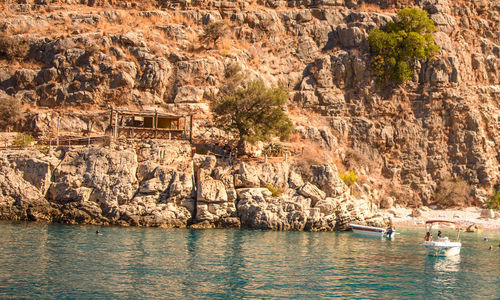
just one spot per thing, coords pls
(61, 261)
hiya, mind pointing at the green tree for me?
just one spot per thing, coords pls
(402, 43)
(214, 32)
(494, 200)
(253, 112)
(10, 112)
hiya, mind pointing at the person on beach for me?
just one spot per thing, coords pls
(491, 248)
(428, 236)
(440, 234)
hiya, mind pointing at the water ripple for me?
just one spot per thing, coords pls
(57, 261)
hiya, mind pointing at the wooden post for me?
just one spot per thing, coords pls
(115, 129)
(190, 128)
(185, 126)
(265, 158)
(58, 124)
(133, 124)
(111, 121)
(88, 141)
(155, 122)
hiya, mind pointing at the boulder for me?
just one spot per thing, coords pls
(205, 162)
(487, 214)
(123, 79)
(188, 94)
(295, 180)
(211, 190)
(351, 36)
(327, 179)
(24, 78)
(387, 203)
(473, 228)
(327, 206)
(313, 192)
(307, 49)
(247, 177)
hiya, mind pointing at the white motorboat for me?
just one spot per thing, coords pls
(441, 246)
(372, 231)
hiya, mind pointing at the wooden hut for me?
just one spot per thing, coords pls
(150, 125)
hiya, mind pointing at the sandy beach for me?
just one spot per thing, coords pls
(467, 216)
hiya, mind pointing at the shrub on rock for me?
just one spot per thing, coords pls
(453, 192)
(10, 112)
(396, 48)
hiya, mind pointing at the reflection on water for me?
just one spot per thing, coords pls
(444, 264)
(442, 275)
(47, 261)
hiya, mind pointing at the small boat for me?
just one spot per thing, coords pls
(442, 246)
(372, 231)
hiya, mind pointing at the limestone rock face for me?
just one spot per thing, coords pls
(246, 177)
(188, 94)
(24, 179)
(313, 192)
(120, 185)
(327, 178)
(258, 209)
(211, 191)
(95, 186)
(110, 174)
(442, 124)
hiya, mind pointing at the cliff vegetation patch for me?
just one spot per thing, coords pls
(453, 192)
(349, 178)
(494, 200)
(251, 111)
(398, 46)
(10, 112)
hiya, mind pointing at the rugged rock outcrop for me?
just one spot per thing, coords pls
(154, 184)
(444, 124)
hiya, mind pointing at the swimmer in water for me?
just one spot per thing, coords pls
(491, 247)
(97, 232)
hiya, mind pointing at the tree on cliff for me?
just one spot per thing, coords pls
(214, 32)
(397, 48)
(251, 111)
(10, 111)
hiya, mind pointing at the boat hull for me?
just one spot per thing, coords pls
(367, 230)
(442, 249)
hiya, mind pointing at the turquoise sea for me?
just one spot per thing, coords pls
(60, 261)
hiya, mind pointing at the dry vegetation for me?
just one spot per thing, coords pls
(453, 192)
(370, 7)
(355, 160)
(10, 112)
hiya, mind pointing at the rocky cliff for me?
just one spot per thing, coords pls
(74, 59)
(163, 185)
